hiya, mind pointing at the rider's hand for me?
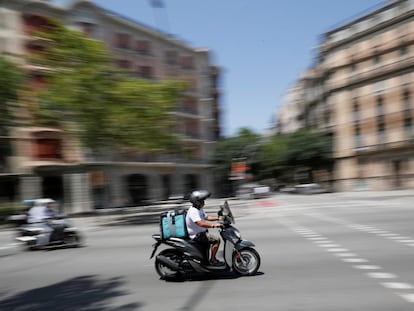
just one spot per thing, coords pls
(218, 225)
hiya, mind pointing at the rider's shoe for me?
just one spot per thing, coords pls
(216, 262)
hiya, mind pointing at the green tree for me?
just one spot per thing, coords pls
(11, 82)
(109, 107)
(241, 147)
(273, 155)
(301, 151)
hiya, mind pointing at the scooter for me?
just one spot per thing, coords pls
(185, 256)
(64, 234)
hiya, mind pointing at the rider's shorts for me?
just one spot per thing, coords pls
(206, 237)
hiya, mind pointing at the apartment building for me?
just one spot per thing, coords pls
(361, 92)
(288, 115)
(78, 181)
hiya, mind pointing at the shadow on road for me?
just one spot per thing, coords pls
(197, 277)
(80, 293)
(202, 290)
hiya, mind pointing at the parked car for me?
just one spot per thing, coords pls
(253, 191)
(309, 189)
(287, 189)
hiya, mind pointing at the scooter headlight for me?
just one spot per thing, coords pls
(237, 234)
(235, 237)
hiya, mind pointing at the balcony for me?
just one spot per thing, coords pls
(195, 137)
(387, 146)
(375, 72)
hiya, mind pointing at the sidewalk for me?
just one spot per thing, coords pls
(151, 214)
(148, 214)
(137, 215)
(366, 194)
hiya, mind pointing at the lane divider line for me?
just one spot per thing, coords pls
(348, 257)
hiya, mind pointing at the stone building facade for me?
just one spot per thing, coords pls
(360, 91)
(44, 162)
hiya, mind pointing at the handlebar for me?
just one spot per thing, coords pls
(225, 221)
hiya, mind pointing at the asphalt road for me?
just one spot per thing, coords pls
(321, 252)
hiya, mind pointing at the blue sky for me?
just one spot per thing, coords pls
(262, 46)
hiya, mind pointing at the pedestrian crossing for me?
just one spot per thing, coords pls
(293, 214)
(386, 279)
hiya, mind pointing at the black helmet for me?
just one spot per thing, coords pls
(197, 196)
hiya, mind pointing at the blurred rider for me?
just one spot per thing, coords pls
(40, 215)
(197, 222)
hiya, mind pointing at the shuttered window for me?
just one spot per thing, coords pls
(48, 149)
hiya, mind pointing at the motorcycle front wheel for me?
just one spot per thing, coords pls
(163, 271)
(246, 261)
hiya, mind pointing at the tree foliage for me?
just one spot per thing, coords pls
(110, 107)
(241, 146)
(278, 157)
(11, 82)
(304, 150)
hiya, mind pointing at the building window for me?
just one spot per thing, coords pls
(35, 47)
(353, 68)
(408, 128)
(191, 129)
(377, 60)
(380, 107)
(124, 64)
(381, 133)
(403, 51)
(190, 106)
(357, 137)
(407, 101)
(88, 29)
(48, 149)
(37, 80)
(143, 47)
(122, 41)
(379, 87)
(33, 23)
(171, 57)
(356, 111)
(187, 62)
(146, 72)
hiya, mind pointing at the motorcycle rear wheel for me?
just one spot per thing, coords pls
(246, 261)
(163, 271)
(72, 239)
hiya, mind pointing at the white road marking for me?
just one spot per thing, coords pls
(337, 250)
(367, 267)
(395, 285)
(381, 275)
(354, 260)
(387, 234)
(323, 242)
(408, 297)
(329, 245)
(311, 235)
(397, 237)
(345, 254)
